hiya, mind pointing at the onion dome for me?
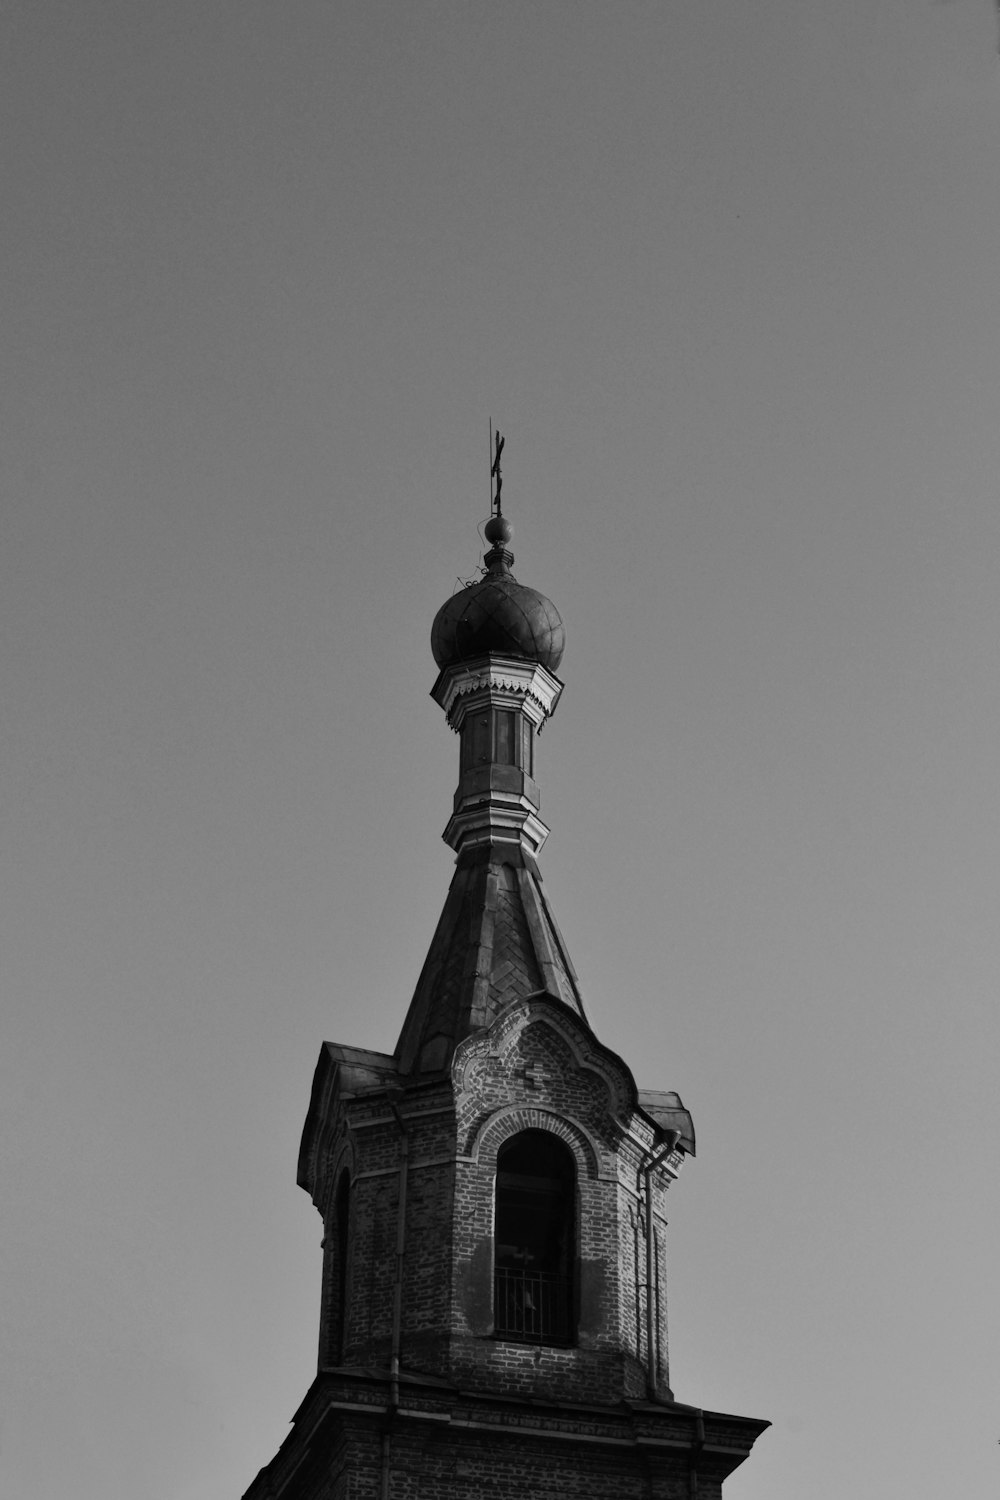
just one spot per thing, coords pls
(498, 614)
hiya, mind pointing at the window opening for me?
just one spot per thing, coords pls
(505, 737)
(343, 1215)
(535, 1210)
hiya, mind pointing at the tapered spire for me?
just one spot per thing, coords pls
(498, 644)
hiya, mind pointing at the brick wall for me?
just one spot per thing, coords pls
(442, 1445)
(538, 1068)
(475, 1414)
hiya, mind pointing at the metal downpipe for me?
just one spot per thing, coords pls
(397, 1298)
(652, 1338)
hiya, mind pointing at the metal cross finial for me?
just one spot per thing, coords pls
(495, 471)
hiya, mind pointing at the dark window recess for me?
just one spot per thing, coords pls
(502, 736)
(535, 1210)
(480, 736)
(343, 1215)
(505, 737)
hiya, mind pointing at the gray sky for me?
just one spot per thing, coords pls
(725, 275)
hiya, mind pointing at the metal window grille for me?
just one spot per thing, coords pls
(532, 1305)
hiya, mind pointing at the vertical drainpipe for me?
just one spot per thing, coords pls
(397, 1295)
(652, 1333)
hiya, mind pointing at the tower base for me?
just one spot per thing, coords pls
(361, 1436)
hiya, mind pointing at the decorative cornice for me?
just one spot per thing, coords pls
(496, 820)
(492, 674)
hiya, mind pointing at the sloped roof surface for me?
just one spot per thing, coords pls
(497, 941)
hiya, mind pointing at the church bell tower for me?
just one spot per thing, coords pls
(494, 1299)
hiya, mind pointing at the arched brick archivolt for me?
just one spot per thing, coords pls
(339, 1160)
(491, 1132)
(337, 1256)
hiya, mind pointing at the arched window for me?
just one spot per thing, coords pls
(342, 1216)
(534, 1239)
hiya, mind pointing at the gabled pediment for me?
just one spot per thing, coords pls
(608, 1076)
(516, 1060)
